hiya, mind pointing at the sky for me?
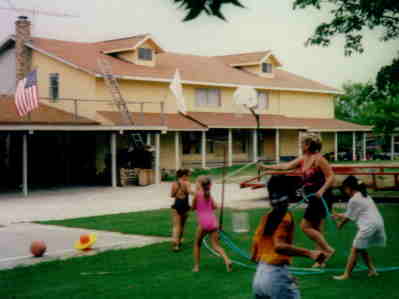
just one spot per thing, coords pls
(262, 25)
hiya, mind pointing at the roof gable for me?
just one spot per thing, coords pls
(127, 44)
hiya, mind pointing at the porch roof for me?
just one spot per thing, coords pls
(270, 121)
(44, 115)
(172, 121)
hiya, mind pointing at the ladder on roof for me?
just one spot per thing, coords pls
(118, 99)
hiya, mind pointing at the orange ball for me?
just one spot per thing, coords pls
(38, 248)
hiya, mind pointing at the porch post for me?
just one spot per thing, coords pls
(177, 150)
(25, 164)
(364, 146)
(113, 159)
(277, 145)
(255, 145)
(203, 149)
(354, 146)
(336, 146)
(230, 149)
(392, 147)
(148, 141)
(157, 158)
(299, 143)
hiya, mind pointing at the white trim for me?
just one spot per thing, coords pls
(275, 57)
(335, 146)
(157, 158)
(164, 80)
(25, 164)
(255, 145)
(254, 127)
(142, 41)
(230, 147)
(78, 128)
(277, 145)
(113, 160)
(244, 64)
(339, 130)
(203, 149)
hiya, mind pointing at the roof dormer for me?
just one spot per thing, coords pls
(259, 63)
(140, 50)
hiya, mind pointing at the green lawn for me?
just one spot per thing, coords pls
(156, 272)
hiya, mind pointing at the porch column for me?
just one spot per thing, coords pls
(113, 160)
(177, 150)
(157, 158)
(255, 145)
(299, 143)
(203, 149)
(25, 164)
(364, 146)
(277, 145)
(336, 146)
(354, 146)
(392, 147)
(148, 141)
(230, 149)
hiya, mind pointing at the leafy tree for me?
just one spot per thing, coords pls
(384, 113)
(350, 18)
(355, 104)
(388, 75)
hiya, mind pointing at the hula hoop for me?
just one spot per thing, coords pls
(294, 270)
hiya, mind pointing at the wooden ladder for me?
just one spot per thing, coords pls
(118, 99)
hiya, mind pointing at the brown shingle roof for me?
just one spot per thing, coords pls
(44, 115)
(243, 58)
(233, 120)
(121, 43)
(173, 121)
(193, 69)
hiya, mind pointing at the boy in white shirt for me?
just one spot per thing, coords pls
(371, 232)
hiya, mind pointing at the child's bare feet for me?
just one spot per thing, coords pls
(373, 273)
(341, 277)
(196, 269)
(176, 247)
(323, 264)
(229, 267)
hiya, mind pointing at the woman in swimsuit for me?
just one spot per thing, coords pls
(181, 189)
(318, 178)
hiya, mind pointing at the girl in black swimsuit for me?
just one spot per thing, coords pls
(180, 192)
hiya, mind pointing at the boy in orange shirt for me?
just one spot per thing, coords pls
(273, 246)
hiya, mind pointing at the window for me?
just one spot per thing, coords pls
(145, 54)
(263, 100)
(54, 86)
(191, 143)
(207, 97)
(267, 68)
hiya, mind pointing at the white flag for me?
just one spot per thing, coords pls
(177, 90)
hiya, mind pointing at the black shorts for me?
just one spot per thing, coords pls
(181, 206)
(316, 210)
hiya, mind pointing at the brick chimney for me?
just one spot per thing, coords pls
(23, 53)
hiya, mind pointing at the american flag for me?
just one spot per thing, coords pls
(26, 95)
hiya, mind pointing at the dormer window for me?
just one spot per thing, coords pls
(145, 54)
(267, 68)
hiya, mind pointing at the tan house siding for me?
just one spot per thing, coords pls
(288, 143)
(167, 154)
(328, 142)
(300, 104)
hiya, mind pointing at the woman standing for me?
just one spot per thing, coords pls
(317, 177)
(181, 190)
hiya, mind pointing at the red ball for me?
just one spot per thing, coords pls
(38, 248)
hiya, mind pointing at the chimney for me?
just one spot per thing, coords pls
(23, 53)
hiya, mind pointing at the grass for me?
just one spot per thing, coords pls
(156, 272)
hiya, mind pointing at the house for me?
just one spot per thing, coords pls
(71, 84)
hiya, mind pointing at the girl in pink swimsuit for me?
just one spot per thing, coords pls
(205, 205)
